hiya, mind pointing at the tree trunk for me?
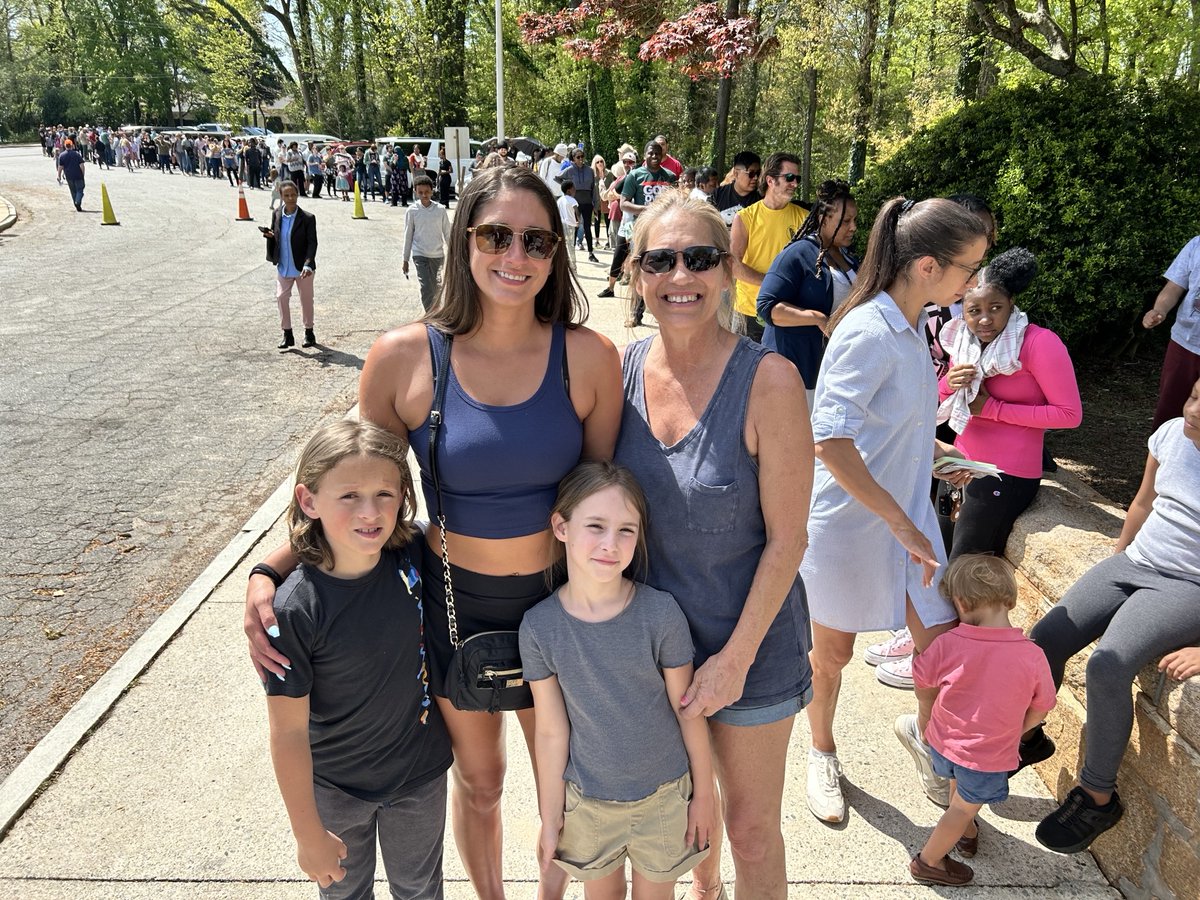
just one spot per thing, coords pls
(724, 90)
(309, 75)
(450, 26)
(810, 125)
(971, 61)
(885, 63)
(862, 94)
(749, 134)
(1193, 78)
(360, 71)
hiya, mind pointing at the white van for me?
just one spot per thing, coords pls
(429, 147)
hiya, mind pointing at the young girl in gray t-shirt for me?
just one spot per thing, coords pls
(620, 773)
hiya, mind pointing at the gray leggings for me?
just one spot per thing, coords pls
(1138, 614)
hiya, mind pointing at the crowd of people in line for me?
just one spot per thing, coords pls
(698, 528)
(381, 172)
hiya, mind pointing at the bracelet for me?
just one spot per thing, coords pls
(264, 569)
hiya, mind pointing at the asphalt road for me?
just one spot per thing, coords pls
(144, 410)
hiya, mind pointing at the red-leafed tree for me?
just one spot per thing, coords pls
(703, 41)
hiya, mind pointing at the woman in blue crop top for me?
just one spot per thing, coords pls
(530, 392)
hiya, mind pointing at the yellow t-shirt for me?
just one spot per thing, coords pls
(767, 231)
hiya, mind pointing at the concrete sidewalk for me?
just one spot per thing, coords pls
(172, 794)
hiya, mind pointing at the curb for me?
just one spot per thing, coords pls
(10, 214)
(26, 780)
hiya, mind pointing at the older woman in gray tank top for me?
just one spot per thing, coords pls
(716, 429)
(518, 353)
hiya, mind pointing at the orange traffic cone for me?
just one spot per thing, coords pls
(243, 210)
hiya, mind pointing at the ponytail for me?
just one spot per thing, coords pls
(905, 231)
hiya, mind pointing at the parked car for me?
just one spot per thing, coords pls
(215, 126)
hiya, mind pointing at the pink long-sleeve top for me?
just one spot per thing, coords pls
(1008, 431)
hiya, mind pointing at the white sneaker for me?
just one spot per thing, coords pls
(825, 798)
(936, 788)
(898, 645)
(896, 673)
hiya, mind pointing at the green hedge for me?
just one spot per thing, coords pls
(1100, 180)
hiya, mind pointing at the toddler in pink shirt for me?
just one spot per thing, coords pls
(988, 684)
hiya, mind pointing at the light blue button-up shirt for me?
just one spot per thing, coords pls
(876, 387)
(287, 266)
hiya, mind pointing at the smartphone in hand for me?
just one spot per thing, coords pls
(265, 230)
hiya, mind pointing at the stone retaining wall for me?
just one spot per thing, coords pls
(1155, 851)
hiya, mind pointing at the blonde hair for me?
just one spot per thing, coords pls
(698, 212)
(591, 477)
(978, 581)
(330, 445)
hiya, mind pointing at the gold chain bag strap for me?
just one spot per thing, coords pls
(485, 672)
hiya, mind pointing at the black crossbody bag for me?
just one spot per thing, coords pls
(485, 672)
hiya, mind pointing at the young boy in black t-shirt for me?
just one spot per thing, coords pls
(360, 750)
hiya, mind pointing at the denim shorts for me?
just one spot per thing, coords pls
(747, 716)
(972, 786)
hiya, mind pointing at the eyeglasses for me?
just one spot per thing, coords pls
(495, 238)
(971, 271)
(695, 259)
(789, 177)
(753, 173)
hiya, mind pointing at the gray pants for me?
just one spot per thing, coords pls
(427, 276)
(1138, 614)
(410, 833)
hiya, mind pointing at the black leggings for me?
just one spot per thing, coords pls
(620, 254)
(990, 507)
(585, 219)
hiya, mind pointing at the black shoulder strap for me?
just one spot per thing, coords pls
(441, 368)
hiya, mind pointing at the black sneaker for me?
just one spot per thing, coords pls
(1035, 750)
(607, 292)
(1078, 822)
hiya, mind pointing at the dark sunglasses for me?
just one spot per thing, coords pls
(495, 238)
(695, 259)
(789, 177)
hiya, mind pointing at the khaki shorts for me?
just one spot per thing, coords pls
(598, 835)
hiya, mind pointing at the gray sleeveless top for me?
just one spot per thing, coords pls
(706, 531)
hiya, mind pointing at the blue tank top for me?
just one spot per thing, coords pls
(501, 465)
(706, 531)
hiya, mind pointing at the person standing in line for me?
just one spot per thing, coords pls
(292, 246)
(550, 167)
(316, 174)
(296, 166)
(253, 159)
(741, 191)
(568, 211)
(601, 182)
(620, 245)
(670, 163)
(416, 162)
(584, 178)
(641, 188)
(762, 230)
(1181, 365)
(445, 178)
(808, 280)
(70, 167)
(229, 161)
(426, 235)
